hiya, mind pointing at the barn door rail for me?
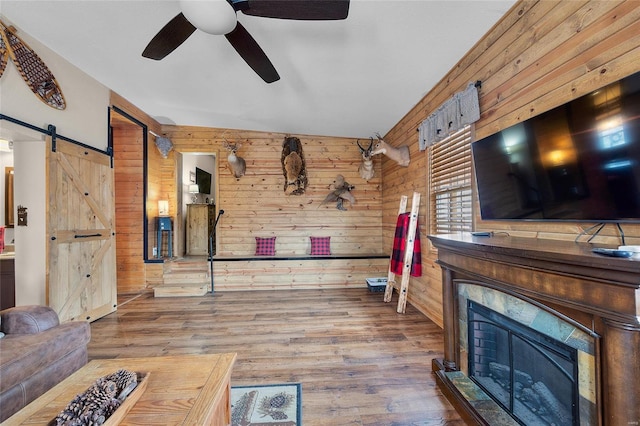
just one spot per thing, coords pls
(51, 131)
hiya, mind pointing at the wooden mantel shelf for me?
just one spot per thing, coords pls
(600, 293)
(606, 286)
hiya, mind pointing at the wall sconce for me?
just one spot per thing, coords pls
(195, 190)
(163, 207)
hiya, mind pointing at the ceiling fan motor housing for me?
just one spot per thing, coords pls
(211, 16)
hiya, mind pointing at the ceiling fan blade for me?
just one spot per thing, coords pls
(252, 54)
(169, 38)
(305, 10)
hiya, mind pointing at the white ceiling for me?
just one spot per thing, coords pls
(338, 78)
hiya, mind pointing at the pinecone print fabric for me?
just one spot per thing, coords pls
(261, 405)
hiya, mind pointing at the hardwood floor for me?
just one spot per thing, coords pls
(359, 362)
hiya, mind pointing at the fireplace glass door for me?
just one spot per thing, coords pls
(531, 375)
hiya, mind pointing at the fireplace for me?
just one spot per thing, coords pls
(538, 332)
(532, 376)
(537, 365)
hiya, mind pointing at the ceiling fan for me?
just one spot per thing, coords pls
(219, 17)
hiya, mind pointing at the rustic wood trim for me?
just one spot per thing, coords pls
(300, 257)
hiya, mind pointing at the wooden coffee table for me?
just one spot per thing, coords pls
(189, 390)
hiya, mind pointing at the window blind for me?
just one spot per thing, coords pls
(450, 184)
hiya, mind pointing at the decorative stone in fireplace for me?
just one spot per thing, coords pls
(537, 366)
(539, 332)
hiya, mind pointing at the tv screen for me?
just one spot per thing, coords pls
(576, 162)
(203, 179)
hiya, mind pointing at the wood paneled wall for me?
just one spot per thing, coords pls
(133, 274)
(256, 205)
(541, 54)
(129, 183)
(297, 274)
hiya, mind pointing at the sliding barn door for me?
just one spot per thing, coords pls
(81, 233)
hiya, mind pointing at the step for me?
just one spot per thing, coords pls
(186, 266)
(181, 290)
(186, 277)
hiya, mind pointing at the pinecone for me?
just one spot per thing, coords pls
(279, 415)
(101, 393)
(122, 378)
(92, 407)
(70, 416)
(111, 407)
(278, 400)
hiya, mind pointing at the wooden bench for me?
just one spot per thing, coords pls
(292, 271)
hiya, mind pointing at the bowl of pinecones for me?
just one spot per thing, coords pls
(105, 402)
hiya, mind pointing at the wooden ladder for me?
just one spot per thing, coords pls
(408, 254)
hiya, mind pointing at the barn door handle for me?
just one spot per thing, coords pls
(88, 236)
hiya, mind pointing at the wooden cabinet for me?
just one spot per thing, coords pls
(7, 283)
(200, 219)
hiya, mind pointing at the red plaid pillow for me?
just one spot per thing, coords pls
(266, 246)
(321, 246)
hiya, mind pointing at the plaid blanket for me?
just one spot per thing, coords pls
(399, 247)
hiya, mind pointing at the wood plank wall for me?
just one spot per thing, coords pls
(541, 54)
(129, 182)
(133, 274)
(296, 274)
(256, 206)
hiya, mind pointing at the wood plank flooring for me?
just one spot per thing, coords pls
(359, 362)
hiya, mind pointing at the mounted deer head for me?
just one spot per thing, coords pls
(366, 167)
(237, 165)
(399, 154)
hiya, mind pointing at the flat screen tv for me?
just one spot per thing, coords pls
(577, 162)
(203, 179)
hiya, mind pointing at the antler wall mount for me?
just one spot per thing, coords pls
(237, 165)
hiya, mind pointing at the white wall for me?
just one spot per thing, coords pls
(31, 240)
(85, 117)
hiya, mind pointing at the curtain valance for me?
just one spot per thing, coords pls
(461, 109)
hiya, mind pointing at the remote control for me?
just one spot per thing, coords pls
(481, 234)
(613, 252)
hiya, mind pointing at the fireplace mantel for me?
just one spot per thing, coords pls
(600, 293)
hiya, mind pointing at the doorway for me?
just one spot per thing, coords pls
(24, 151)
(198, 172)
(128, 140)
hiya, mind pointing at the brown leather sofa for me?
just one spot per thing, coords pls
(36, 353)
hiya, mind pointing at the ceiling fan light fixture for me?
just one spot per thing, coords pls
(211, 16)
